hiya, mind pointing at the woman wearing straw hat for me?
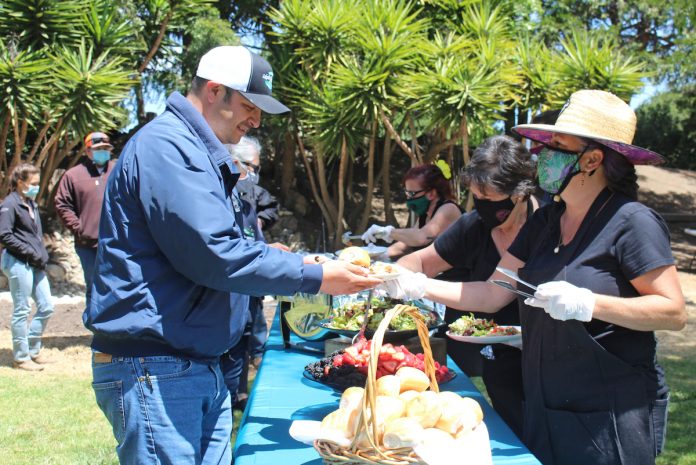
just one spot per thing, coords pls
(604, 280)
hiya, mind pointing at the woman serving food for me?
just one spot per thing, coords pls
(606, 279)
(501, 177)
(429, 196)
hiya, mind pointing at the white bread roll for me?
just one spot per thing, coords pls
(412, 379)
(389, 385)
(408, 395)
(477, 414)
(352, 398)
(449, 396)
(437, 437)
(388, 408)
(425, 408)
(402, 432)
(463, 413)
(362, 441)
(341, 421)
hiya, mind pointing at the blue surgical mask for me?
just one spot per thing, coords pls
(253, 177)
(101, 157)
(31, 192)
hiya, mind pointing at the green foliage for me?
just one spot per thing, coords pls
(594, 61)
(667, 125)
(207, 31)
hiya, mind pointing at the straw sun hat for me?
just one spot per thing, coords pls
(597, 115)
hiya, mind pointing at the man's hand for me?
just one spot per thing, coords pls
(278, 245)
(564, 301)
(345, 278)
(314, 259)
(376, 231)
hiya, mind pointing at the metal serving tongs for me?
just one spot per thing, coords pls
(506, 285)
(512, 275)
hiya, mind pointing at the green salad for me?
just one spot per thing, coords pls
(469, 325)
(350, 316)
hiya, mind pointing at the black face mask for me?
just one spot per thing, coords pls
(493, 213)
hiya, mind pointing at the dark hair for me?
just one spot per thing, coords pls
(620, 173)
(22, 173)
(199, 83)
(546, 117)
(504, 164)
(431, 177)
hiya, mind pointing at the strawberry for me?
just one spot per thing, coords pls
(389, 366)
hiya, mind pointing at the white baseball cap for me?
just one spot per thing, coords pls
(238, 68)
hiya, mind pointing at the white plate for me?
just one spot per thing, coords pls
(486, 339)
(372, 250)
(396, 272)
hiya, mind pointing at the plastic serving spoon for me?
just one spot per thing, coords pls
(512, 275)
(509, 287)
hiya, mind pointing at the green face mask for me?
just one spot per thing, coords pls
(419, 205)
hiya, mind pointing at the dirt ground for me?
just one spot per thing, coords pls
(666, 190)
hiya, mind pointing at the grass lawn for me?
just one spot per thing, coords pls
(55, 420)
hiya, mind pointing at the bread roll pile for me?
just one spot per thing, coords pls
(407, 413)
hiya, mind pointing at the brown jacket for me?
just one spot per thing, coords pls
(79, 200)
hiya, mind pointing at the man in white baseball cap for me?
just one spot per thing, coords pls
(243, 71)
(174, 270)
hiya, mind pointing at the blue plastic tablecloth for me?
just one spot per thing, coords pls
(281, 395)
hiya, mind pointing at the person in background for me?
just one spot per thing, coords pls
(429, 196)
(605, 281)
(24, 259)
(246, 155)
(79, 200)
(174, 269)
(501, 177)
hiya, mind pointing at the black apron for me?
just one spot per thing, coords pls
(583, 405)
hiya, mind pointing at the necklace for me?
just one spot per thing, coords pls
(560, 225)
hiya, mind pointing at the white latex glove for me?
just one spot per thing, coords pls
(408, 286)
(376, 231)
(563, 301)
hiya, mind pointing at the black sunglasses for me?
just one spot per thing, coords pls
(255, 168)
(99, 141)
(411, 194)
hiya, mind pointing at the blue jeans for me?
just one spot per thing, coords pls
(26, 281)
(232, 363)
(165, 410)
(88, 258)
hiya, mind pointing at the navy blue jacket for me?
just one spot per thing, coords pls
(171, 247)
(20, 234)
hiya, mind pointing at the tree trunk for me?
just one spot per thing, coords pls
(394, 135)
(341, 194)
(37, 143)
(367, 210)
(158, 40)
(139, 103)
(325, 195)
(313, 185)
(288, 169)
(3, 143)
(414, 140)
(464, 131)
(389, 217)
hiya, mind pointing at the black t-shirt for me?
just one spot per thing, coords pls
(620, 240)
(467, 245)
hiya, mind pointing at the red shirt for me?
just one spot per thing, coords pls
(79, 200)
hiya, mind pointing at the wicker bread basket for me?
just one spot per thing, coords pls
(377, 455)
